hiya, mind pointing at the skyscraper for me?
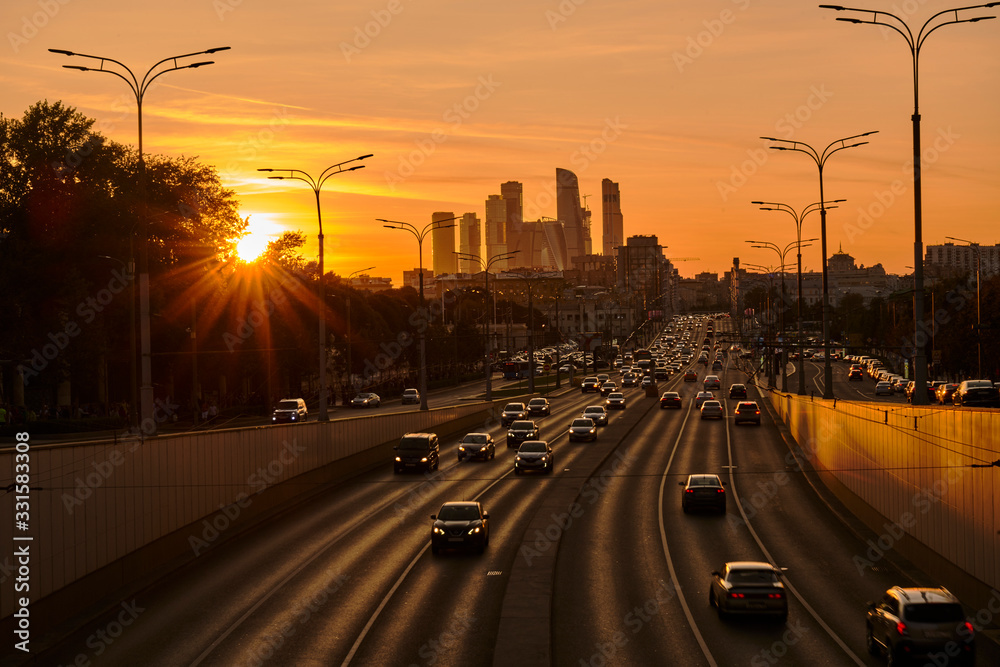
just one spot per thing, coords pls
(443, 240)
(496, 230)
(469, 242)
(611, 211)
(513, 196)
(570, 213)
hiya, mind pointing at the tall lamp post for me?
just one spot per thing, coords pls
(317, 184)
(768, 337)
(820, 159)
(420, 235)
(798, 217)
(979, 312)
(915, 42)
(139, 87)
(350, 360)
(485, 266)
(798, 243)
(531, 330)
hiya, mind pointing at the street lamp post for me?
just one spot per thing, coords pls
(916, 42)
(420, 234)
(798, 217)
(350, 364)
(139, 87)
(531, 330)
(485, 266)
(820, 159)
(781, 258)
(317, 184)
(979, 312)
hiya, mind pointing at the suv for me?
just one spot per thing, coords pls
(290, 410)
(539, 406)
(417, 451)
(590, 384)
(520, 431)
(410, 396)
(911, 622)
(747, 411)
(512, 412)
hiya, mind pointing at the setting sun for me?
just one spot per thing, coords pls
(251, 246)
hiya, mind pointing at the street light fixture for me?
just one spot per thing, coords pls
(350, 364)
(139, 87)
(979, 312)
(485, 266)
(820, 159)
(317, 184)
(799, 218)
(915, 42)
(420, 234)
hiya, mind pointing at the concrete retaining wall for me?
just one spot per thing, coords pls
(124, 509)
(907, 472)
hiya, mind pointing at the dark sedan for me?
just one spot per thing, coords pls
(366, 401)
(533, 455)
(539, 407)
(977, 393)
(703, 492)
(460, 525)
(615, 401)
(476, 446)
(670, 399)
(748, 587)
(520, 431)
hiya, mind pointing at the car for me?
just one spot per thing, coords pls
(597, 413)
(883, 388)
(747, 411)
(417, 451)
(590, 384)
(520, 431)
(717, 365)
(647, 381)
(737, 391)
(512, 412)
(608, 387)
(533, 455)
(701, 397)
(670, 399)
(976, 393)
(616, 401)
(410, 397)
(476, 446)
(582, 428)
(602, 378)
(292, 410)
(366, 400)
(661, 373)
(946, 392)
(691, 376)
(703, 491)
(712, 382)
(855, 374)
(460, 525)
(539, 407)
(630, 380)
(748, 587)
(926, 623)
(567, 368)
(712, 410)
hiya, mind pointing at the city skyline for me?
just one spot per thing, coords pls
(666, 99)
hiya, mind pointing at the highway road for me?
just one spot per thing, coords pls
(348, 577)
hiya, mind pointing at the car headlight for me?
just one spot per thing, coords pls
(461, 448)
(483, 448)
(592, 429)
(399, 460)
(438, 531)
(517, 458)
(511, 434)
(545, 457)
(474, 530)
(423, 460)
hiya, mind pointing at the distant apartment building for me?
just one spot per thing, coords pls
(496, 231)
(411, 278)
(443, 239)
(611, 217)
(369, 283)
(469, 243)
(951, 259)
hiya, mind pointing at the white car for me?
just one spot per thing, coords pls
(597, 413)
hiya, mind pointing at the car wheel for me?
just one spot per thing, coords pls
(870, 643)
(687, 510)
(548, 471)
(459, 458)
(493, 454)
(892, 657)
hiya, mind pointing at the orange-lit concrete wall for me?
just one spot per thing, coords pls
(92, 505)
(907, 472)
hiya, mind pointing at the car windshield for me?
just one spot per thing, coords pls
(746, 407)
(522, 426)
(671, 394)
(476, 438)
(458, 513)
(532, 447)
(978, 384)
(288, 405)
(712, 404)
(596, 411)
(616, 394)
(752, 576)
(413, 443)
(943, 612)
(514, 407)
(704, 480)
(537, 401)
(584, 423)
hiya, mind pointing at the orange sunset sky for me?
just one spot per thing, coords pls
(667, 98)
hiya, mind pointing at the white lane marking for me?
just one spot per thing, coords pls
(770, 559)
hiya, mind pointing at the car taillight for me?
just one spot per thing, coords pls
(901, 628)
(688, 490)
(735, 595)
(720, 490)
(775, 596)
(971, 630)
